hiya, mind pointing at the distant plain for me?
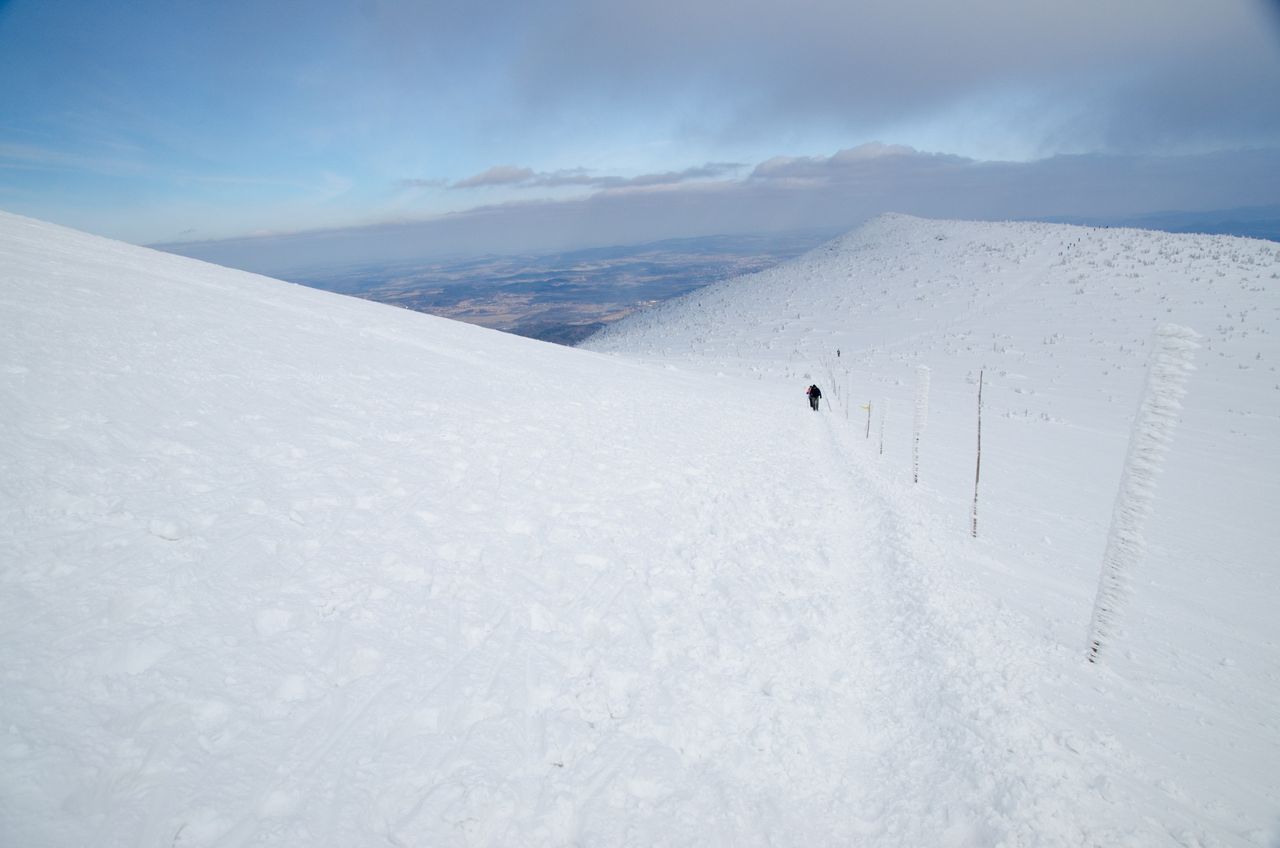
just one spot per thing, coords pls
(568, 296)
(562, 297)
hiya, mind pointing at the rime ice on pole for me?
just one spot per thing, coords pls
(921, 418)
(1173, 349)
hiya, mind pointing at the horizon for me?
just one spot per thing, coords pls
(386, 128)
(271, 254)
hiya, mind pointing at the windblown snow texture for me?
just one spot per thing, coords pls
(1061, 317)
(1172, 354)
(283, 568)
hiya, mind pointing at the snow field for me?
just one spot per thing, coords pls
(287, 568)
(1060, 318)
(276, 588)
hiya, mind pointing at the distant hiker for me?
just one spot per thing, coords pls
(814, 393)
(837, 353)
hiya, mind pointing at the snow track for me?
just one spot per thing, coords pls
(1175, 741)
(693, 663)
(960, 755)
(286, 568)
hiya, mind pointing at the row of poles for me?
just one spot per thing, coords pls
(1171, 363)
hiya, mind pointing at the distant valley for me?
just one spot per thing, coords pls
(562, 297)
(567, 297)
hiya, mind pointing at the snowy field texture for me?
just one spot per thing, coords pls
(286, 568)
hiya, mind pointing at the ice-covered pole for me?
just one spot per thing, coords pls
(921, 418)
(1173, 349)
(977, 467)
(884, 407)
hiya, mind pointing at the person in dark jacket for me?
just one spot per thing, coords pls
(814, 393)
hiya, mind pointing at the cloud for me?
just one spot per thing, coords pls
(840, 166)
(527, 178)
(499, 175)
(141, 103)
(580, 177)
(711, 170)
(790, 193)
(1119, 77)
(413, 182)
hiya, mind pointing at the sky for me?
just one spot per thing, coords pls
(436, 127)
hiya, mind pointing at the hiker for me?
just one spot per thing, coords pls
(814, 393)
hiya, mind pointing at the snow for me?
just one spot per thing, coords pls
(286, 568)
(1151, 434)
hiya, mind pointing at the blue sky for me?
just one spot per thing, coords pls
(190, 120)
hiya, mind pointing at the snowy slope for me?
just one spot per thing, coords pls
(1060, 318)
(285, 568)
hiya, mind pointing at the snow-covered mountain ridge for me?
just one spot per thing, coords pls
(1060, 319)
(288, 568)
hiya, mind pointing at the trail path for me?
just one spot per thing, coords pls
(760, 655)
(287, 568)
